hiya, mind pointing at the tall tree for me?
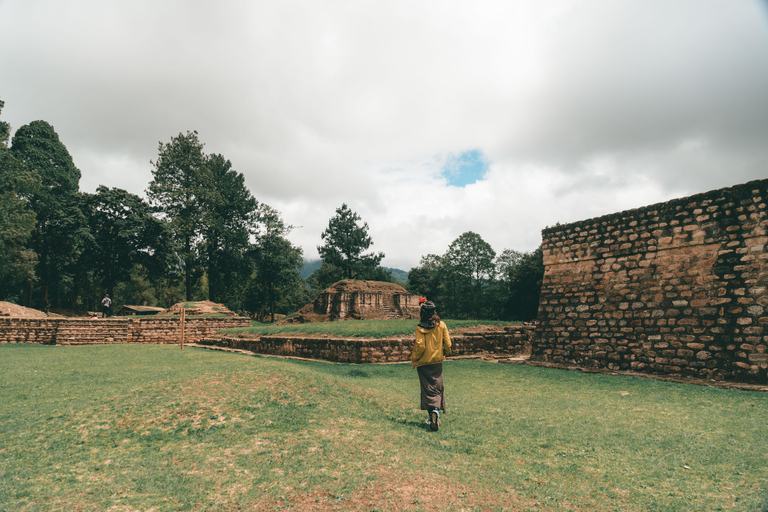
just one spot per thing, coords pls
(178, 187)
(125, 234)
(277, 266)
(228, 220)
(426, 278)
(522, 280)
(345, 242)
(17, 220)
(60, 234)
(5, 130)
(469, 266)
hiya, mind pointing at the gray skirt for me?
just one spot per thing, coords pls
(432, 391)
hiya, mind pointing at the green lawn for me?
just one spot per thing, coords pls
(356, 328)
(152, 427)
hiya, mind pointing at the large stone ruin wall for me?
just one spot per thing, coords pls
(675, 288)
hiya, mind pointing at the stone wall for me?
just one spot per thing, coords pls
(81, 331)
(675, 288)
(505, 341)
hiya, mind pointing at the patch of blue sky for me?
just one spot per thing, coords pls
(465, 168)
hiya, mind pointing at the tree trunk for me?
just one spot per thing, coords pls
(188, 270)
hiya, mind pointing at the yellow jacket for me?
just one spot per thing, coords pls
(432, 345)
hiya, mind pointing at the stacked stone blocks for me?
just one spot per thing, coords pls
(77, 331)
(676, 288)
(504, 341)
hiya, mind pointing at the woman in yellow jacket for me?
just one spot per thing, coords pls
(432, 345)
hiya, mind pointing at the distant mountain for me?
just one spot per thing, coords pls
(309, 267)
(401, 276)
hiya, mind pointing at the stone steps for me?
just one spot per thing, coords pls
(389, 312)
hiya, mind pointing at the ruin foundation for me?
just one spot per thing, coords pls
(507, 341)
(82, 331)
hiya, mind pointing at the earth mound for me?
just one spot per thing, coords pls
(354, 286)
(203, 307)
(69, 313)
(13, 310)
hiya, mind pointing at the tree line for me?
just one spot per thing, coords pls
(200, 234)
(470, 281)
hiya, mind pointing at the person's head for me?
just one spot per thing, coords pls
(428, 314)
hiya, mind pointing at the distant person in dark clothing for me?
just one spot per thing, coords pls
(106, 305)
(429, 350)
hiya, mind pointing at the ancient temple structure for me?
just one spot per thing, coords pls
(359, 300)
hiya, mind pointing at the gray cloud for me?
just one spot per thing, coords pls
(582, 108)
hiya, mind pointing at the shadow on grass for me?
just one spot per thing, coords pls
(411, 423)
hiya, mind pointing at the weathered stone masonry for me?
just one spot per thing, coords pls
(76, 331)
(503, 341)
(675, 288)
(495, 342)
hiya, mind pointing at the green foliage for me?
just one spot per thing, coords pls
(211, 214)
(425, 279)
(276, 285)
(37, 147)
(60, 235)
(179, 183)
(468, 281)
(324, 276)
(138, 289)
(17, 220)
(166, 429)
(468, 269)
(126, 235)
(230, 213)
(522, 281)
(5, 130)
(63, 249)
(345, 241)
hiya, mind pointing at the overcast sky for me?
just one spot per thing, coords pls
(428, 118)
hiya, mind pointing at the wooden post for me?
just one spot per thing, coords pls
(182, 327)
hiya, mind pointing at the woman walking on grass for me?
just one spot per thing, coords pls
(432, 345)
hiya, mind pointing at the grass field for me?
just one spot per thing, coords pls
(152, 427)
(356, 328)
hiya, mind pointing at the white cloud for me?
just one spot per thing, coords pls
(581, 107)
